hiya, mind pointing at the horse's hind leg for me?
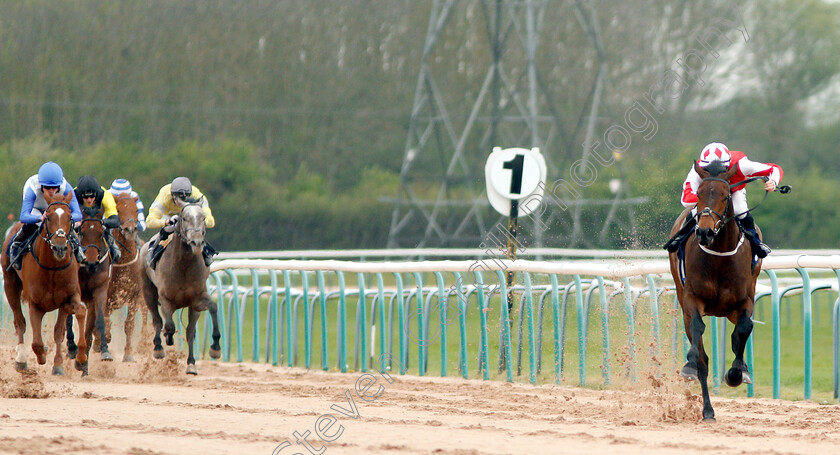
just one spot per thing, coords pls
(129, 332)
(58, 335)
(100, 297)
(739, 372)
(72, 349)
(193, 318)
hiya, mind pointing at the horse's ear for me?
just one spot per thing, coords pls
(67, 197)
(728, 174)
(136, 198)
(704, 174)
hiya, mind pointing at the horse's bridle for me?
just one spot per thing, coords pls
(187, 229)
(45, 226)
(722, 219)
(100, 258)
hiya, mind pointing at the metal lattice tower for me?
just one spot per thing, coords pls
(513, 107)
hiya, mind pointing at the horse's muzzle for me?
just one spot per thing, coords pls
(59, 251)
(705, 236)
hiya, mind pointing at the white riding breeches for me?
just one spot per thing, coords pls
(739, 204)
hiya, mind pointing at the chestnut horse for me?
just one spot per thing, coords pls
(125, 289)
(94, 279)
(48, 280)
(719, 279)
(180, 281)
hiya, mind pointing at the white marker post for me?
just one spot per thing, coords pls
(512, 175)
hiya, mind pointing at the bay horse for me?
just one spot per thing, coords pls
(94, 280)
(47, 281)
(125, 289)
(720, 278)
(180, 281)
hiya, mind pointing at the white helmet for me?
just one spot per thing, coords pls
(714, 151)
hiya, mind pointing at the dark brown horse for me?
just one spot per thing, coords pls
(719, 279)
(180, 281)
(126, 282)
(94, 279)
(48, 280)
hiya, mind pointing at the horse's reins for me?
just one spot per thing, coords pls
(48, 239)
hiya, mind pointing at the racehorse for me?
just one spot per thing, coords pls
(48, 280)
(179, 281)
(94, 280)
(720, 278)
(125, 288)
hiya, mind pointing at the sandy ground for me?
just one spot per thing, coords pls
(152, 407)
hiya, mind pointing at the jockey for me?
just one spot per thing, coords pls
(163, 214)
(746, 169)
(120, 186)
(94, 199)
(49, 180)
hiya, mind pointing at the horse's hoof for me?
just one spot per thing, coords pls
(72, 353)
(215, 354)
(106, 356)
(20, 366)
(709, 420)
(42, 359)
(746, 377)
(158, 354)
(96, 346)
(191, 369)
(689, 373)
(170, 339)
(58, 370)
(734, 377)
(128, 358)
(83, 367)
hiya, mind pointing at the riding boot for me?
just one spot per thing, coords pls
(688, 226)
(156, 250)
(16, 248)
(75, 245)
(208, 252)
(115, 250)
(748, 228)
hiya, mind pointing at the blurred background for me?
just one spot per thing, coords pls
(366, 123)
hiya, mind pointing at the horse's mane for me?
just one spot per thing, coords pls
(716, 167)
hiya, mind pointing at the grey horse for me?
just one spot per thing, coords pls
(179, 281)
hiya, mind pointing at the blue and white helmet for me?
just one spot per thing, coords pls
(120, 186)
(50, 174)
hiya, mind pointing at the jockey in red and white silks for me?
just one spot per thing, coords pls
(746, 169)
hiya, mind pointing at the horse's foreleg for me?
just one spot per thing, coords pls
(58, 335)
(36, 318)
(215, 347)
(100, 297)
(739, 372)
(193, 318)
(72, 349)
(82, 357)
(169, 324)
(129, 331)
(698, 362)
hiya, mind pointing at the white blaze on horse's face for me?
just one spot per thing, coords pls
(191, 227)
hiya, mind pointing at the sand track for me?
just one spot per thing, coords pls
(152, 407)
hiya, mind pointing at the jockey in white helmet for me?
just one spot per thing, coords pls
(746, 169)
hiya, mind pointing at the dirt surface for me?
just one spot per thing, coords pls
(152, 407)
